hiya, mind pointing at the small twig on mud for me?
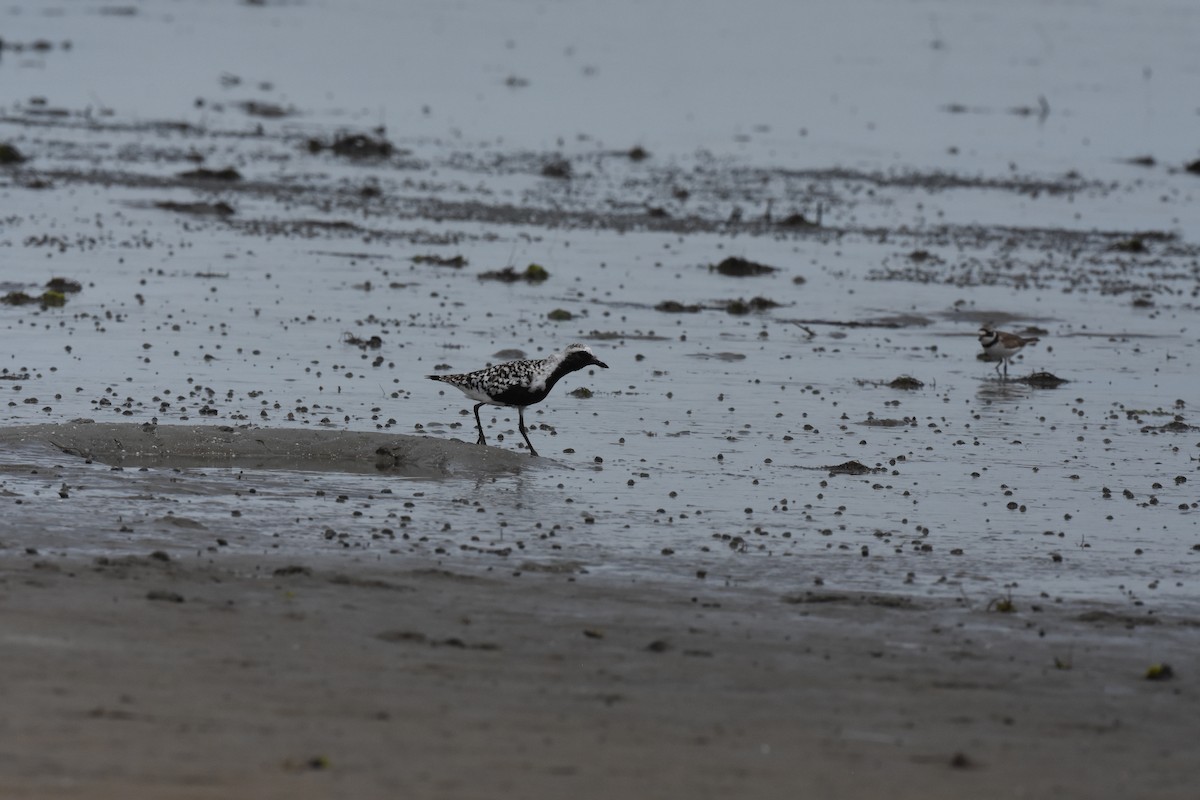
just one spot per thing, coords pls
(806, 329)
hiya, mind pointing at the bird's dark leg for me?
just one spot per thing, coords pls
(525, 433)
(479, 424)
(1005, 362)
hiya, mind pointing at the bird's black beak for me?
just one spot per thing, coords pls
(597, 362)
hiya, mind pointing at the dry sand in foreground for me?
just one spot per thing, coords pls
(237, 676)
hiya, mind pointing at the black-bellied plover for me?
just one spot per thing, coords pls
(519, 383)
(1002, 345)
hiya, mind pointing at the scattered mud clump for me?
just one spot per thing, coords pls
(36, 46)
(906, 382)
(1113, 618)
(1142, 161)
(64, 286)
(723, 356)
(582, 392)
(51, 298)
(1041, 111)
(888, 423)
(923, 256)
(797, 220)
(638, 153)
(219, 209)
(457, 262)
(742, 268)
(850, 468)
(1134, 244)
(227, 175)
(374, 343)
(739, 306)
(354, 145)
(1176, 425)
(258, 108)
(560, 315)
(1193, 167)
(292, 569)
(558, 168)
(961, 761)
(882, 601)
(1159, 672)
(534, 273)
(676, 307)
(9, 154)
(1043, 380)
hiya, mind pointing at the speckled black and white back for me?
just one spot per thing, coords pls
(521, 383)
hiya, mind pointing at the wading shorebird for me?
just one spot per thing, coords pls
(1002, 345)
(518, 384)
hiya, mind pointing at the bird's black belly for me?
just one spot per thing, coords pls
(520, 396)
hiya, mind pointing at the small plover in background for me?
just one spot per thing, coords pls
(1002, 345)
(519, 383)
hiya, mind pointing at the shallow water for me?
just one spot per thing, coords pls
(702, 454)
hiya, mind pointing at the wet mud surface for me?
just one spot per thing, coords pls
(178, 447)
(769, 313)
(800, 539)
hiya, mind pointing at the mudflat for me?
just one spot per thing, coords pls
(237, 675)
(798, 540)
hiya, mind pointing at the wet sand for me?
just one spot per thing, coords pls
(226, 676)
(248, 447)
